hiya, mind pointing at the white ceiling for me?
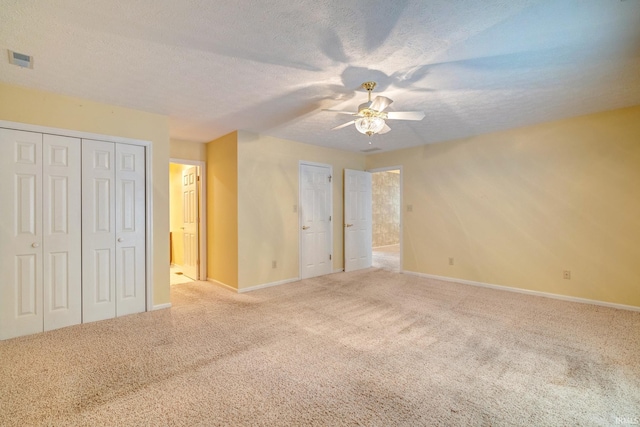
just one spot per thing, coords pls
(473, 66)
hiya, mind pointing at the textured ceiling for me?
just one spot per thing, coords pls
(270, 67)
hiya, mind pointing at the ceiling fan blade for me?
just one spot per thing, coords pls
(405, 115)
(385, 129)
(344, 125)
(351, 113)
(380, 103)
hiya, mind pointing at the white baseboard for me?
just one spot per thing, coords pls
(217, 282)
(525, 291)
(268, 285)
(385, 246)
(253, 288)
(161, 306)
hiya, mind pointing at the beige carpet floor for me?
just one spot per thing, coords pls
(369, 348)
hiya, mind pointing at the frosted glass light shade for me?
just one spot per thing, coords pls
(369, 125)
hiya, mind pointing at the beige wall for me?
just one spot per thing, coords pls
(187, 150)
(267, 192)
(36, 107)
(516, 208)
(222, 210)
(176, 213)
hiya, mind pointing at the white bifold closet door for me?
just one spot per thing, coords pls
(113, 230)
(40, 251)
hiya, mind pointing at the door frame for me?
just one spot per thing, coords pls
(302, 163)
(202, 212)
(387, 169)
(148, 146)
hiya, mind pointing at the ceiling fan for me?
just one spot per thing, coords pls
(371, 115)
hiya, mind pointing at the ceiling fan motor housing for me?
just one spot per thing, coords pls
(364, 110)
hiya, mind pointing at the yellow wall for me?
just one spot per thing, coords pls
(267, 192)
(222, 210)
(187, 150)
(176, 212)
(516, 208)
(36, 107)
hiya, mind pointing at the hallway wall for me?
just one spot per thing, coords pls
(386, 208)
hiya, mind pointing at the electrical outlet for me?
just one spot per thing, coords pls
(566, 274)
(450, 261)
(274, 264)
(409, 208)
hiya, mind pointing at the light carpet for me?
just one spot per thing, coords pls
(386, 257)
(371, 348)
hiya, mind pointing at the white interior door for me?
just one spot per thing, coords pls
(190, 221)
(113, 230)
(357, 216)
(62, 237)
(315, 220)
(20, 233)
(98, 231)
(130, 220)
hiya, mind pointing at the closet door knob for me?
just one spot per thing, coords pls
(35, 245)
(120, 239)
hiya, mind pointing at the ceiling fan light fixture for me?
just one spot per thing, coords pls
(369, 125)
(371, 114)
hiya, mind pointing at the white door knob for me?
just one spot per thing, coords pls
(35, 245)
(120, 239)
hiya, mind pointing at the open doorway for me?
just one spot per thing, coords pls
(186, 211)
(386, 186)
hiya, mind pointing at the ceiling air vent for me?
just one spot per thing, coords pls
(369, 150)
(20, 59)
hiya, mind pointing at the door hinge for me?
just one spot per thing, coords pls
(329, 257)
(329, 178)
(329, 217)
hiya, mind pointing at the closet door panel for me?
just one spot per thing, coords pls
(72, 231)
(20, 233)
(130, 229)
(98, 230)
(62, 250)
